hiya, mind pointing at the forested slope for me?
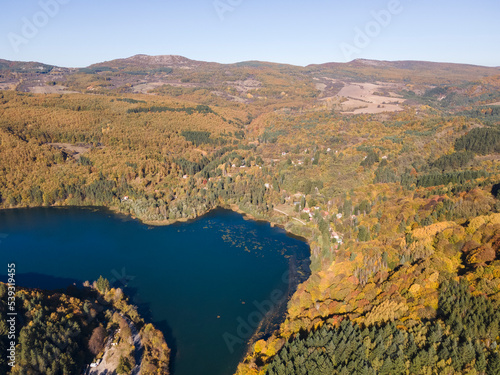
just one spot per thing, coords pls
(401, 209)
(62, 332)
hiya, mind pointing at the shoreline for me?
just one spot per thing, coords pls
(231, 207)
(272, 319)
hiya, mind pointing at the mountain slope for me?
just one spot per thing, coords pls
(148, 62)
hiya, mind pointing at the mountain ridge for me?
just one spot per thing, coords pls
(178, 60)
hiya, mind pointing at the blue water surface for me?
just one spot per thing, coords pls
(205, 283)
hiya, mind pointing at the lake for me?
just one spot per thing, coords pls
(206, 284)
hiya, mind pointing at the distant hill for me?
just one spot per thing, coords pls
(427, 72)
(465, 71)
(147, 62)
(24, 67)
(363, 83)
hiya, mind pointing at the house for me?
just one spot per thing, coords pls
(307, 210)
(267, 185)
(335, 235)
(339, 216)
(125, 198)
(338, 238)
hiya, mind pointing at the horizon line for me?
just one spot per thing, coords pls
(259, 61)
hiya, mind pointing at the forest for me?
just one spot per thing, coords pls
(461, 339)
(401, 209)
(61, 332)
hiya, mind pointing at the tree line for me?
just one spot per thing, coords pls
(461, 341)
(204, 109)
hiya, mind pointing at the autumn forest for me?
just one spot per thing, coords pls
(396, 190)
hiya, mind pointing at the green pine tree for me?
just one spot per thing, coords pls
(493, 367)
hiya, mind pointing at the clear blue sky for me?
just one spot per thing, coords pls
(82, 32)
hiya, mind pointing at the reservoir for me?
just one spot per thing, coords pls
(207, 284)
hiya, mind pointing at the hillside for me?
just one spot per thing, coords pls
(261, 84)
(418, 71)
(148, 62)
(62, 332)
(390, 170)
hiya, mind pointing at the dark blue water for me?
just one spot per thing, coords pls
(205, 284)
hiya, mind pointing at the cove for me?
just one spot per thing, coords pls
(206, 284)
